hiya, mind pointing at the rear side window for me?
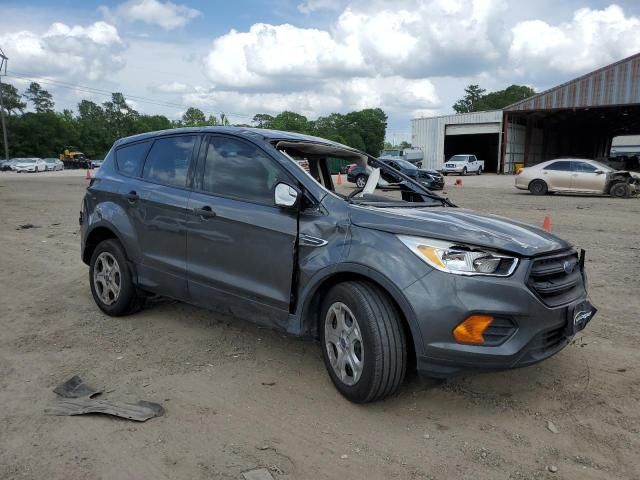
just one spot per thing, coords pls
(168, 160)
(239, 170)
(563, 165)
(131, 157)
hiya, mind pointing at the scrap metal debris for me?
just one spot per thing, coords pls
(77, 398)
(27, 226)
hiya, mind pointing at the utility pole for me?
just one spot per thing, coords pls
(3, 68)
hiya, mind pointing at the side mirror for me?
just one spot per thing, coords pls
(598, 172)
(285, 196)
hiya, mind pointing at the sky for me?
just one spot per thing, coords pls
(409, 57)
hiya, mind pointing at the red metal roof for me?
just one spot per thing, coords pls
(615, 84)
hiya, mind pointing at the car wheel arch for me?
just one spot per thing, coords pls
(307, 316)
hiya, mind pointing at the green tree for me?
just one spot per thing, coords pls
(41, 99)
(262, 120)
(194, 117)
(11, 99)
(371, 124)
(291, 122)
(119, 116)
(472, 94)
(503, 98)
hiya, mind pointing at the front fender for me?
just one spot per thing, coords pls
(302, 321)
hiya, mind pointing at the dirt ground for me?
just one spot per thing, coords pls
(239, 397)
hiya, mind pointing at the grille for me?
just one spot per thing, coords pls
(499, 331)
(551, 282)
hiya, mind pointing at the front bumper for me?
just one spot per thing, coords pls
(538, 331)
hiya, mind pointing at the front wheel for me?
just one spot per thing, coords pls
(620, 190)
(361, 181)
(111, 280)
(363, 341)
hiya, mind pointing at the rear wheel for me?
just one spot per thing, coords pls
(361, 181)
(479, 172)
(444, 174)
(538, 187)
(111, 280)
(363, 342)
(620, 190)
(464, 171)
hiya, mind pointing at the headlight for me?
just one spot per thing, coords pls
(460, 259)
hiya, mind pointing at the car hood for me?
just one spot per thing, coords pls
(460, 225)
(24, 164)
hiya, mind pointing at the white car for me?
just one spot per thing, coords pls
(577, 175)
(54, 164)
(462, 165)
(29, 165)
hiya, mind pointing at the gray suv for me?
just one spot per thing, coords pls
(228, 219)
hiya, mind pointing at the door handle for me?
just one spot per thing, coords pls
(204, 212)
(132, 196)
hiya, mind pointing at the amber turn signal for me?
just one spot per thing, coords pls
(471, 330)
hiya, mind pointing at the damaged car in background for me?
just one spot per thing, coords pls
(387, 281)
(576, 175)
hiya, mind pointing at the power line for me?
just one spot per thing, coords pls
(99, 91)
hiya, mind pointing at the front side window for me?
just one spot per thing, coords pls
(239, 170)
(168, 160)
(130, 158)
(562, 165)
(583, 167)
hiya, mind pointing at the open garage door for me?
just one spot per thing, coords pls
(485, 146)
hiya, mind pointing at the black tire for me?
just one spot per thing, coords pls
(128, 300)
(479, 172)
(444, 174)
(538, 187)
(464, 171)
(361, 180)
(620, 190)
(384, 347)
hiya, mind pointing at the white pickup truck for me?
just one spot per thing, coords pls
(463, 164)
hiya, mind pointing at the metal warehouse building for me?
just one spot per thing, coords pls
(578, 118)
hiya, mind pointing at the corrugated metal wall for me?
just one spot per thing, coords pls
(615, 84)
(428, 133)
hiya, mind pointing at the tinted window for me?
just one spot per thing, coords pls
(237, 169)
(561, 165)
(583, 167)
(168, 160)
(130, 157)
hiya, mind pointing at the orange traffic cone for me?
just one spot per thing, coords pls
(546, 225)
(88, 175)
(339, 182)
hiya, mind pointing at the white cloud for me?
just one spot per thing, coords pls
(170, 87)
(310, 6)
(395, 94)
(84, 52)
(166, 15)
(592, 39)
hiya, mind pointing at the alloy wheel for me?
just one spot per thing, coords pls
(107, 278)
(343, 341)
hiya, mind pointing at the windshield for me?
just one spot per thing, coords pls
(603, 166)
(405, 164)
(391, 153)
(458, 158)
(370, 182)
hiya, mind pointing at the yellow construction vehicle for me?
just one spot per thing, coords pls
(74, 159)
